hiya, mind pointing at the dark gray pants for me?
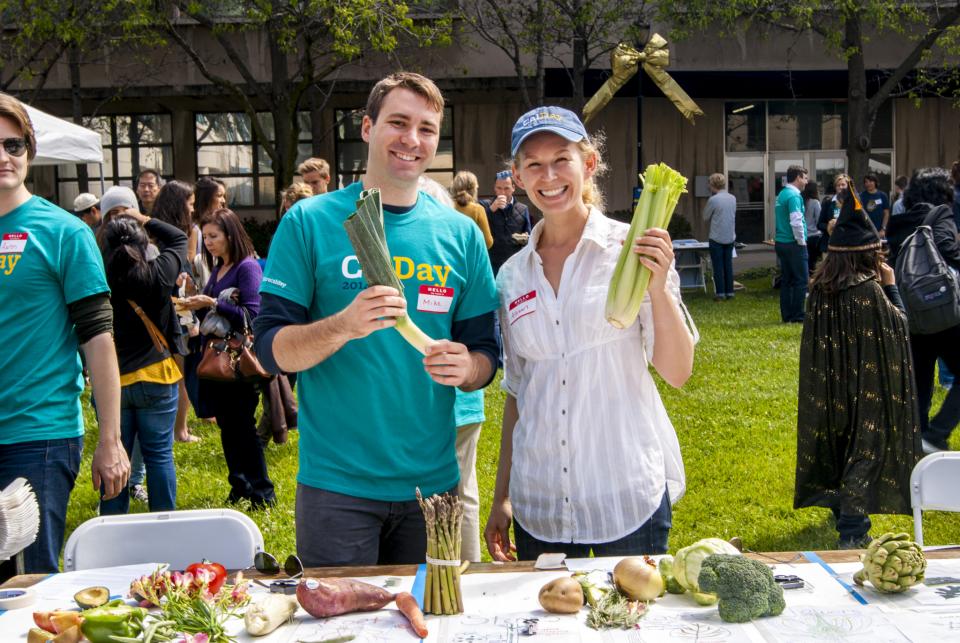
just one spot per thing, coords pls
(334, 530)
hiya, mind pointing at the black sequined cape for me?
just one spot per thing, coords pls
(858, 426)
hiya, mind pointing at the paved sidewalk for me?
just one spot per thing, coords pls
(754, 255)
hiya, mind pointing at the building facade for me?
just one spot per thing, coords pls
(768, 103)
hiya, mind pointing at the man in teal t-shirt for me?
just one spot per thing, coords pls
(791, 246)
(54, 300)
(377, 417)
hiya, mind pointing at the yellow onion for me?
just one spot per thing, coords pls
(638, 578)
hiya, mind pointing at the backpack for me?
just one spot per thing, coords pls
(927, 285)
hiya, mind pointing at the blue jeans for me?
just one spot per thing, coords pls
(650, 538)
(138, 471)
(148, 412)
(721, 260)
(334, 529)
(851, 526)
(946, 377)
(51, 467)
(793, 280)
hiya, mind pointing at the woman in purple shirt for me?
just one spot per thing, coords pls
(229, 254)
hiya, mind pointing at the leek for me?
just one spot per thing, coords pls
(365, 231)
(662, 187)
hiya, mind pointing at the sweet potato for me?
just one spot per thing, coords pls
(323, 597)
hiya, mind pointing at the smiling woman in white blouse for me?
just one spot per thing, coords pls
(588, 457)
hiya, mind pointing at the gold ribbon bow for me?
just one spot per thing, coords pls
(625, 61)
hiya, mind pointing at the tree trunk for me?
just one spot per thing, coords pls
(859, 119)
(83, 182)
(286, 125)
(579, 72)
(541, 44)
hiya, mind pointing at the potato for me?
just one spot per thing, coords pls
(562, 596)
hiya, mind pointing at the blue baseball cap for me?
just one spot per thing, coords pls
(558, 120)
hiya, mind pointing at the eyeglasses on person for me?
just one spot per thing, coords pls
(16, 146)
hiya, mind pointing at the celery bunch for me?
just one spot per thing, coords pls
(365, 230)
(662, 187)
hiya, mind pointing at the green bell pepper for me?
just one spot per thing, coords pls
(112, 619)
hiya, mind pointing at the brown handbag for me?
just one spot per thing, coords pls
(232, 359)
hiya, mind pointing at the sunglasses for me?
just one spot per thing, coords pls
(14, 146)
(268, 564)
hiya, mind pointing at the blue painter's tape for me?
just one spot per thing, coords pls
(419, 583)
(813, 558)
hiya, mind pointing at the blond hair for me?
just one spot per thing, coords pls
(464, 188)
(419, 85)
(13, 109)
(295, 192)
(717, 181)
(314, 165)
(845, 177)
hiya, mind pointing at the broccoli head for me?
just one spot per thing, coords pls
(745, 587)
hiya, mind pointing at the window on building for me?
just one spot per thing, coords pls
(806, 125)
(131, 143)
(226, 149)
(746, 127)
(351, 151)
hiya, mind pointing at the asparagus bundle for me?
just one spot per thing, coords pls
(444, 518)
(365, 230)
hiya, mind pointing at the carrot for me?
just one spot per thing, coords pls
(322, 597)
(408, 605)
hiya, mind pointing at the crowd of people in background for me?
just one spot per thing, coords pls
(180, 274)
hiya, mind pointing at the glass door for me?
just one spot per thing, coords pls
(745, 174)
(824, 169)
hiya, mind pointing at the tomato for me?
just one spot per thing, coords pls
(217, 572)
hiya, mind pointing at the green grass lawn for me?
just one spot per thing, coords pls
(736, 419)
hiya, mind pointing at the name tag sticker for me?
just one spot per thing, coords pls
(13, 242)
(522, 306)
(434, 299)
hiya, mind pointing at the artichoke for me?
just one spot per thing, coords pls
(892, 563)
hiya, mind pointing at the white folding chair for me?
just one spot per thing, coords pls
(933, 485)
(175, 537)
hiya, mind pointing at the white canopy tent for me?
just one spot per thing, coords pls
(60, 141)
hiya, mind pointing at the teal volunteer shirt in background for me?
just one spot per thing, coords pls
(372, 422)
(789, 200)
(48, 259)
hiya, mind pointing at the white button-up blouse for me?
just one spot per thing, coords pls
(593, 449)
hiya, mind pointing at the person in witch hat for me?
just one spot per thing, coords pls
(858, 424)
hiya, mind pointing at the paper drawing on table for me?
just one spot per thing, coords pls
(669, 624)
(385, 626)
(929, 626)
(866, 624)
(512, 628)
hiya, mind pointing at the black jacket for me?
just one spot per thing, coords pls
(826, 215)
(514, 218)
(135, 349)
(940, 219)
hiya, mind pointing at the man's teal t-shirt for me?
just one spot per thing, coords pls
(469, 408)
(372, 422)
(789, 200)
(48, 259)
